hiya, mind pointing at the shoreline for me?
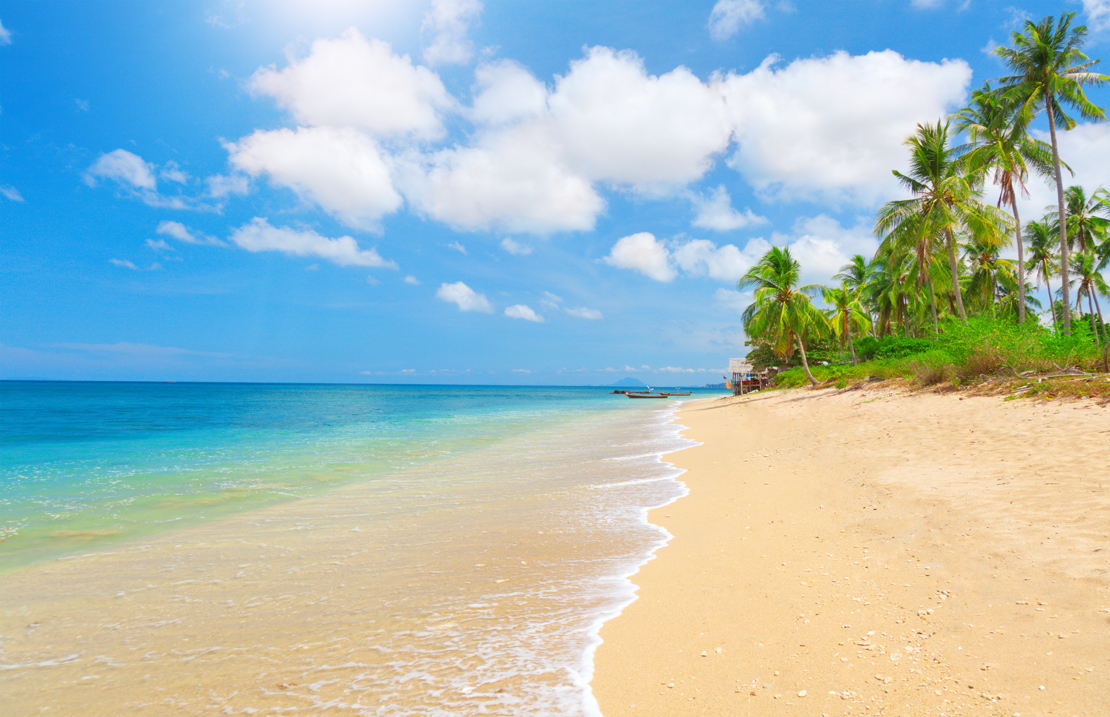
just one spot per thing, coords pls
(871, 552)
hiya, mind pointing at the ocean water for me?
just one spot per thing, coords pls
(308, 549)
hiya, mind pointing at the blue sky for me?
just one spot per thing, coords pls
(454, 191)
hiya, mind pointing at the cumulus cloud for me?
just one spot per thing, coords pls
(832, 127)
(172, 172)
(643, 253)
(448, 21)
(716, 212)
(220, 185)
(341, 170)
(352, 82)
(821, 245)
(11, 193)
(466, 298)
(514, 179)
(520, 311)
(159, 245)
(515, 248)
(621, 125)
(506, 91)
(728, 15)
(581, 312)
(180, 232)
(1098, 14)
(258, 235)
(410, 279)
(124, 167)
(700, 257)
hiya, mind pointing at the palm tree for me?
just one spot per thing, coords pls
(988, 270)
(782, 312)
(1042, 258)
(1091, 284)
(1050, 70)
(892, 286)
(847, 311)
(999, 141)
(856, 276)
(944, 199)
(1085, 227)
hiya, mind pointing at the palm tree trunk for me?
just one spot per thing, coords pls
(1048, 285)
(1049, 97)
(1094, 327)
(851, 345)
(1105, 342)
(805, 361)
(933, 306)
(955, 274)
(1021, 259)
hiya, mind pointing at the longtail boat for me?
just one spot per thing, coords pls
(647, 395)
(661, 393)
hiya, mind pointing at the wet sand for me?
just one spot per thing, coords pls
(869, 552)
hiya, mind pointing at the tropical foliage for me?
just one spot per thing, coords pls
(944, 261)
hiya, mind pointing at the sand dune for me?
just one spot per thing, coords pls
(875, 553)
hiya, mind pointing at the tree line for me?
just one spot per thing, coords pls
(939, 257)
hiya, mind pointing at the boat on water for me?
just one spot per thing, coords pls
(647, 395)
(628, 391)
(661, 393)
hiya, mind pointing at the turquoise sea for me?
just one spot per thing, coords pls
(472, 538)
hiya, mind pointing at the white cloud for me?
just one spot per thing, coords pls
(728, 15)
(466, 298)
(641, 252)
(514, 179)
(82, 105)
(1098, 14)
(732, 299)
(349, 82)
(180, 232)
(550, 301)
(505, 91)
(822, 246)
(700, 257)
(124, 263)
(618, 124)
(457, 247)
(520, 311)
(410, 279)
(581, 312)
(832, 128)
(926, 4)
(220, 186)
(173, 173)
(1086, 149)
(11, 193)
(5, 35)
(716, 212)
(123, 167)
(159, 245)
(448, 21)
(515, 248)
(258, 235)
(521, 370)
(340, 170)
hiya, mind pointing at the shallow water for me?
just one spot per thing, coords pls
(458, 570)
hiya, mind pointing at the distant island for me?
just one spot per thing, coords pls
(626, 382)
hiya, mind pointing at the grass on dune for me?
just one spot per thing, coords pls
(986, 355)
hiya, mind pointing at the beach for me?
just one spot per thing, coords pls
(875, 552)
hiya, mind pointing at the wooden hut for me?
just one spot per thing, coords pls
(744, 377)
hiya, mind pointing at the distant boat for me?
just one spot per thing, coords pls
(661, 393)
(628, 391)
(647, 395)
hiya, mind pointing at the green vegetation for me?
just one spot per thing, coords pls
(938, 304)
